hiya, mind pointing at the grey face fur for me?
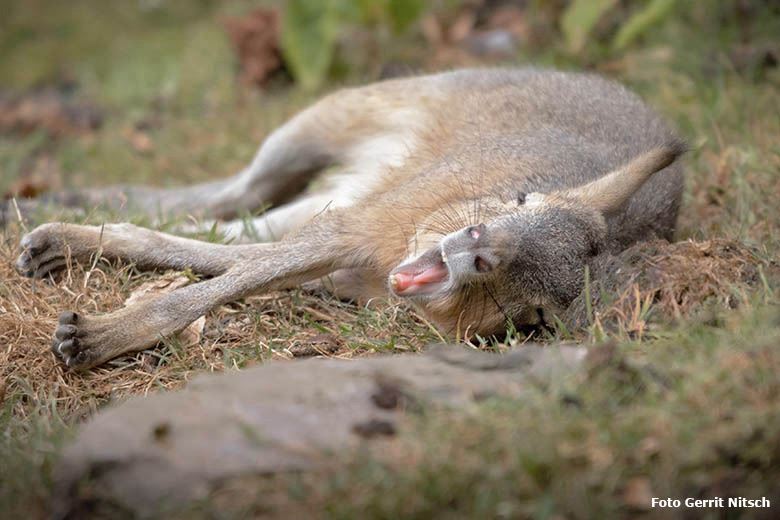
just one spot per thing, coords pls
(423, 202)
(525, 263)
(546, 251)
(528, 262)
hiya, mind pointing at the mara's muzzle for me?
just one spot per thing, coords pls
(458, 256)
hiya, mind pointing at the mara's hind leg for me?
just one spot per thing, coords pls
(360, 129)
(281, 168)
(271, 225)
(361, 126)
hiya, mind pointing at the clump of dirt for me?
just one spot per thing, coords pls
(56, 110)
(320, 344)
(477, 32)
(673, 280)
(39, 174)
(255, 38)
(50, 109)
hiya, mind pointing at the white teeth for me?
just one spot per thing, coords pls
(443, 256)
(393, 281)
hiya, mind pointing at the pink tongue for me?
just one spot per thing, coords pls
(432, 274)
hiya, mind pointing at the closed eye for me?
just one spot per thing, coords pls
(482, 265)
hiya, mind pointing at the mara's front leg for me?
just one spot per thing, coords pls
(49, 247)
(85, 341)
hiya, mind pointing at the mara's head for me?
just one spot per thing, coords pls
(525, 260)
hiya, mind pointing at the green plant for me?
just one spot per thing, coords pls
(581, 16)
(311, 27)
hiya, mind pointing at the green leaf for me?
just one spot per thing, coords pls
(579, 19)
(308, 39)
(354, 11)
(640, 22)
(404, 12)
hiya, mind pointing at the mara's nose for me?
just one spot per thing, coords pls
(476, 232)
(468, 251)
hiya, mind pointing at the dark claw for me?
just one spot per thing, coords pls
(68, 318)
(66, 345)
(55, 348)
(68, 348)
(32, 250)
(65, 332)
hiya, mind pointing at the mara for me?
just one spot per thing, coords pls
(478, 195)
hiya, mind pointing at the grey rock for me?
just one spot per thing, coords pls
(151, 453)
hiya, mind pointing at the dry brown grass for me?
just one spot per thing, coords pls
(274, 326)
(669, 281)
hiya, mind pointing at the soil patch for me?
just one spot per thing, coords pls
(674, 280)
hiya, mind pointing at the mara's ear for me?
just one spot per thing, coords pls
(610, 192)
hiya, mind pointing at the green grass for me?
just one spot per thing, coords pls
(692, 410)
(28, 449)
(690, 415)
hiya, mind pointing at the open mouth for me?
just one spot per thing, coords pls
(422, 276)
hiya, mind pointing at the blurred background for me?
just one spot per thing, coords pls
(96, 92)
(172, 91)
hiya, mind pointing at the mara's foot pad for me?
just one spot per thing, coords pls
(45, 250)
(71, 343)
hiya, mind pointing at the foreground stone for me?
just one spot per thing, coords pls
(154, 453)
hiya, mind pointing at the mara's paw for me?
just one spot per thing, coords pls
(72, 342)
(42, 252)
(46, 249)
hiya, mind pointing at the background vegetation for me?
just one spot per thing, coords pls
(157, 91)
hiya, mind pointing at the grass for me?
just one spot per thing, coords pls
(689, 407)
(693, 417)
